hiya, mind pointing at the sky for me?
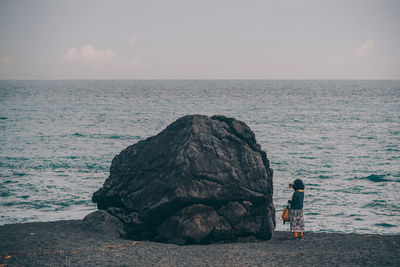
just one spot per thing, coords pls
(184, 39)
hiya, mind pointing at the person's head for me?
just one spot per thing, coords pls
(298, 185)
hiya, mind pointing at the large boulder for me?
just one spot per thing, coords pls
(200, 180)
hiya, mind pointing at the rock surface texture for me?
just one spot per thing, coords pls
(201, 180)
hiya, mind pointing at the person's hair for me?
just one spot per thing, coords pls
(298, 185)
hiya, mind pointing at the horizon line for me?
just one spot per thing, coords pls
(204, 79)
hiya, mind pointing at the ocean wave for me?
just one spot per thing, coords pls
(385, 225)
(323, 177)
(376, 203)
(54, 205)
(376, 178)
(108, 136)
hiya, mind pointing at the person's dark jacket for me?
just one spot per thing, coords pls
(297, 200)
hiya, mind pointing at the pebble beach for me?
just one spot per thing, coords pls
(65, 243)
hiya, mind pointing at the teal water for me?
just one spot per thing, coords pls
(342, 138)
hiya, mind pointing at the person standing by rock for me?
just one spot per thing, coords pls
(296, 209)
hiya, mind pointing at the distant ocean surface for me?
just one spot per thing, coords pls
(57, 140)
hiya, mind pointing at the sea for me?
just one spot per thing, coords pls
(341, 137)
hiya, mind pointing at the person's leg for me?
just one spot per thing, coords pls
(301, 234)
(295, 234)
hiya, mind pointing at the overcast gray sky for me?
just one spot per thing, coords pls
(204, 39)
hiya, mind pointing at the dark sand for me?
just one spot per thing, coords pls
(63, 243)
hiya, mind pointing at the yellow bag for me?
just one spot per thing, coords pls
(285, 215)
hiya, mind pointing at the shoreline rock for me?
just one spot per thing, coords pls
(201, 180)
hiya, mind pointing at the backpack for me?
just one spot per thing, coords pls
(285, 215)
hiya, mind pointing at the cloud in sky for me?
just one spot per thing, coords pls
(367, 62)
(90, 55)
(364, 51)
(4, 61)
(92, 62)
